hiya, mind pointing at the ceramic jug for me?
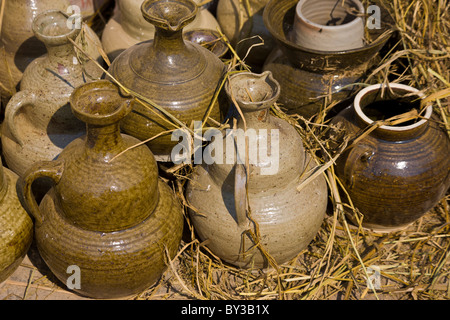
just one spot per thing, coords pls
(108, 213)
(19, 46)
(38, 121)
(311, 76)
(398, 172)
(127, 27)
(242, 23)
(288, 218)
(16, 226)
(179, 76)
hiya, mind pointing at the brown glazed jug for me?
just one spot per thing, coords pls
(19, 45)
(177, 75)
(16, 226)
(312, 77)
(38, 121)
(288, 218)
(108, 213)
(398, 172)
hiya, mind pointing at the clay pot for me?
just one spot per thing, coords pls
(287, 219)
(127, 27)
(397, 173)
(329, 26)
(209, 39)
(309, 77)
(15, 224)
(179, 76)
(110, 216)
(239, 22)
(38, 120)
(19, 46)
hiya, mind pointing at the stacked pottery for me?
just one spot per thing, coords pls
(321, 53)
(19, 46)
(38, 120)
(180, 77)
(108, 213)
(285, 216)
(242, 23)
(398, 172)
(127, 27)
(16, 226)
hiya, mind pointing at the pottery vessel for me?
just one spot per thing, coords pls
(287, 218)
(311, 78)
(179, 76)
(209, 39)
(19, 46)
(38, 121)
(16, 225)
(397, 173)
(239, 22)
(328, 25)
(128, 27)
(108, 213)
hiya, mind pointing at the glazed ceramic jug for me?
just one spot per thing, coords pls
(179, 76)
(19, 46)
(108, 213)
(16, 226)
(38, 120)
(288, 218)
(312, 77)
(241, 20)
(127, 27)
(398, 172)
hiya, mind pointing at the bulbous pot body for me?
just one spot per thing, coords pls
(107, 213)
(16, 226)
(127, 27)
(38, 121)
(395, 174)
(179, 76)
(287, 218)
(20, 46)
(311, 77)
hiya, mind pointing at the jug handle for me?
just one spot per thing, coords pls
(17, 101)
(50, 169)
(240, 194)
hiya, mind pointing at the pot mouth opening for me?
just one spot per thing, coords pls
(169, 14)
(383, 102)
(54, 25)
(330, 14)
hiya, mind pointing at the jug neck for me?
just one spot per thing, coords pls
(105, 140)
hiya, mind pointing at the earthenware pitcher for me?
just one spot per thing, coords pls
(397, 172)
(38, 121)
(127, 27)
(312, 69)
(16, 226)
(286, 215)
(108, 213)
(179, 76)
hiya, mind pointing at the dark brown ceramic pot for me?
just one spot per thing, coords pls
(16, 226)
(107, 214)
(397, 173)
(179, 76)
(308, 76)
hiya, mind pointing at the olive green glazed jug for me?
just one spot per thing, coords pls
(177, 75)
(108, 213)
(16, 226)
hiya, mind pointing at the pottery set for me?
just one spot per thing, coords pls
(287, 219)
(397, 173)
(38, 121)
(179, 76)
(305, 64)
(19, 45)
(128, 27)
(107, 212)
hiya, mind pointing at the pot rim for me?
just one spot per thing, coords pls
(56, 39)
(350, 24)
(376, 87)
